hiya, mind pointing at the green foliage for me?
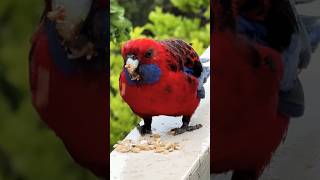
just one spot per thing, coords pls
(194, 6)
(161, 25)
(121, 118)
(28, 149)
(120, 27)
(166, 25)
(133, 9)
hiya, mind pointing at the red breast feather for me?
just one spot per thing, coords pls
(247, 126)
(175, 93)
(73, 106)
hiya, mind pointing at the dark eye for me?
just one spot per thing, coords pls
(148, 54)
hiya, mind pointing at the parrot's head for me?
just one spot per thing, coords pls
(142, 59)
(81, 26)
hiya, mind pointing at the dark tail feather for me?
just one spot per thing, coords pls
(204, 74)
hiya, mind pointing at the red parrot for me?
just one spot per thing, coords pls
(69, 79)
(247, 126)
(162, 78)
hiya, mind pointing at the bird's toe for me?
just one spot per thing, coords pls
(143, 130)
(184, 129)
(177, 131)
(191, 128)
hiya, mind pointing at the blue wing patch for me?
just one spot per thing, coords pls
(201, 79)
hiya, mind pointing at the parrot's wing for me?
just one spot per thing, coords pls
(182, 57)
(188, 61)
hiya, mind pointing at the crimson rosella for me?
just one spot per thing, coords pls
(68, 77)
(247, 127)
(265, 33)
(162, 78)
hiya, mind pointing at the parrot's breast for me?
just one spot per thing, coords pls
(72, 104)
(247, 125)
(174, 94)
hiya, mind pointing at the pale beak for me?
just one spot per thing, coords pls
(132, 65)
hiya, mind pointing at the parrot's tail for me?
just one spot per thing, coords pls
(205, 58)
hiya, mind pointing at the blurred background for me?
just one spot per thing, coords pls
(298, 157)
(28, 149)
(188, 20)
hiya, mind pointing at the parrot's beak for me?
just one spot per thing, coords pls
(132, 65)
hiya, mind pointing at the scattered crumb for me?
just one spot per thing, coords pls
(155, 135)
(135, 150)
(146, 144)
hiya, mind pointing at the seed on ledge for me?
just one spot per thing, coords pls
(146, 144)
(135, 150)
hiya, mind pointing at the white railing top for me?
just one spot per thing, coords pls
(191, 162)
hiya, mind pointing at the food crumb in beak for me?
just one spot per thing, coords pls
(131, 66)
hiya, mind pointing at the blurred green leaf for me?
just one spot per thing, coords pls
(28, 149)
(191, 6)
(120, 27)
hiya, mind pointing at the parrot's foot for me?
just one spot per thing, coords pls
(144, 129)
(184, 129)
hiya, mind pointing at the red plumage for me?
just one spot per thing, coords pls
(104, 3)
(74, 105)
(175, 93)
(247, 127)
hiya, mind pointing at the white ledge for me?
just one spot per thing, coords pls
(191, 162)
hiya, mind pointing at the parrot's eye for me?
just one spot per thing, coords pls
(148, 54)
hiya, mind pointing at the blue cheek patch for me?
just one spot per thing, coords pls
(58, 53)
(150, 73)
